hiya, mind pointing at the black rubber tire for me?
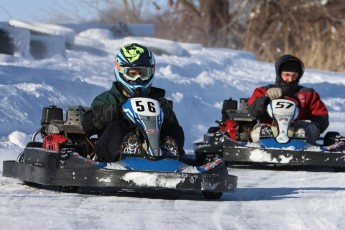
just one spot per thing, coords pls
(34, 144)
(32, 184)
(212, 195)
(213, 129)
(68, 189)
(339, 169)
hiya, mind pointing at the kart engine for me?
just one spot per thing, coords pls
(236, 122)
(57, 133)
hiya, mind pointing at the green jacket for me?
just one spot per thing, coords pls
(94, 122)
(114, 96)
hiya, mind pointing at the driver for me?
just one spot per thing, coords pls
(134, 68)
(312, 119)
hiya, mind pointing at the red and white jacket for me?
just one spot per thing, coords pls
(311, 106)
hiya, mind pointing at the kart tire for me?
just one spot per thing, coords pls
(212, 195)
(68, 189)
(34, 144)
(213, 129)
(339, 169)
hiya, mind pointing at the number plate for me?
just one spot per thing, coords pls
(145, 106)
(283, 107)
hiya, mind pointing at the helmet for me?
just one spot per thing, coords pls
(134, 68)
(288, 62)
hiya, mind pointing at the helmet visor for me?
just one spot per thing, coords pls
(134, 73)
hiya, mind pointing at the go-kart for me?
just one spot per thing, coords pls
(233, 137)
(64, 158)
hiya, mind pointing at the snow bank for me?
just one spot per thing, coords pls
(48, 29)
(21, 40)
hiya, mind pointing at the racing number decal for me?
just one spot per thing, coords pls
(282, 107)
(145, 106)
(283, 104)
(151, 106)
(141, 107)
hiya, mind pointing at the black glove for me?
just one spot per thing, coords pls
(104, 114)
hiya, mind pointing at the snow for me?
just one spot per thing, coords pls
(43, 28)
(197, 79)
(147, 179)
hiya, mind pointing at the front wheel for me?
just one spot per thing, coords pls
(212, 195)
(339, 169)
(68, 189)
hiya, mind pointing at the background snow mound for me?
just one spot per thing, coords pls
(48, 29)
(20, 38)
(19, 138)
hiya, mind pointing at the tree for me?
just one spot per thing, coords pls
(313, 30)
(310, 29)
(211, 23)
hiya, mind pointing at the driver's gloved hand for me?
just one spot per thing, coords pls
(104, 114)
(274, 93)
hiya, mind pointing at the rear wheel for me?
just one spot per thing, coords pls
(213, 129)
(32, 184)
(212, 195)
(339, 169)
(34, 144)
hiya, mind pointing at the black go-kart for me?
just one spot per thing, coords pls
(65, 159)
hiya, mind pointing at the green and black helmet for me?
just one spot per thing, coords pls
(134, 69)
